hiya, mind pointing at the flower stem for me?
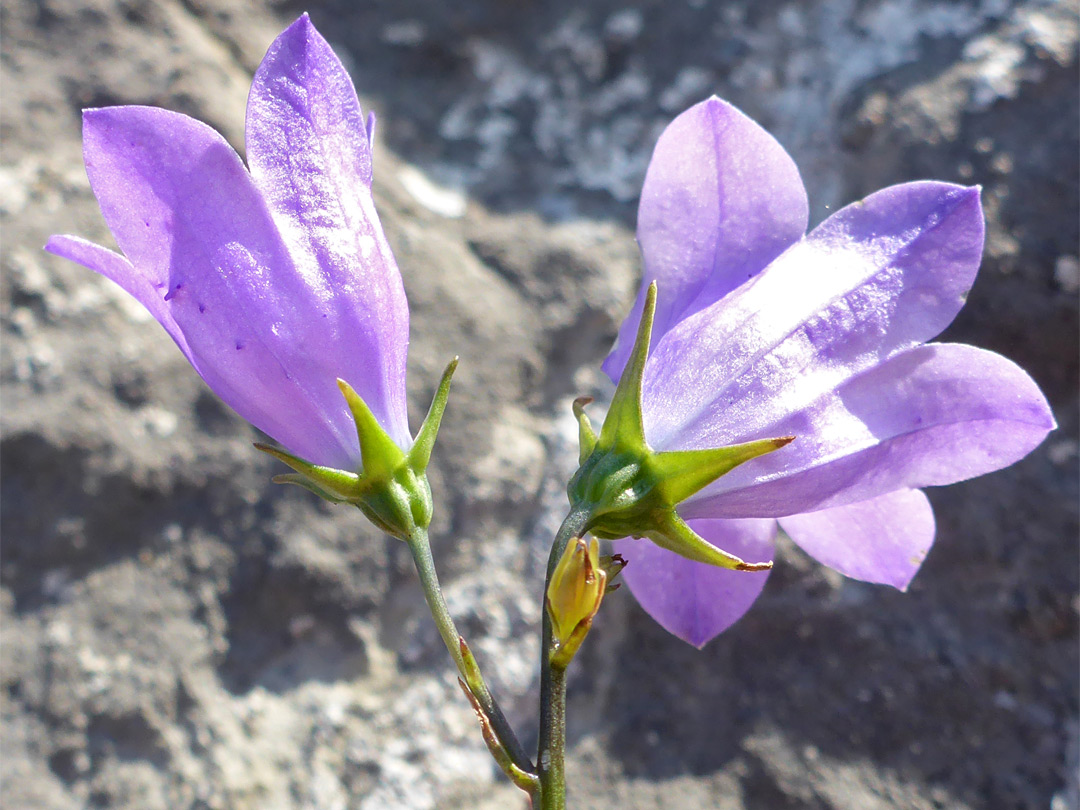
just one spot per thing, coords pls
(552, 748)
(504, 736)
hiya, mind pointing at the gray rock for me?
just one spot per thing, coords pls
(180, 633)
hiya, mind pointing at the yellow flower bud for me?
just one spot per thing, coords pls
(577, 587)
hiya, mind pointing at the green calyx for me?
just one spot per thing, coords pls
(391, 489)
(629, 490)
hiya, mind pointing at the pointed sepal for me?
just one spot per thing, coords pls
(629, 490)
(297, 479)
(378, 452)
(681, 473)
(675, 535)
(586, 434)
(391, 488)
(330, 483)
(420, 454)
(624, 430)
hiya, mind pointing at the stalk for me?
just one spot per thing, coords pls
(551, 751)
(473, 682)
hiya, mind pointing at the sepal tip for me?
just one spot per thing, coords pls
(420, 453)
(586, 434)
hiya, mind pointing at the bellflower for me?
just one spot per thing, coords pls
(275, 280)
(760, 332)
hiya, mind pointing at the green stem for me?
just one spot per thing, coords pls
(420, 547)
(551, 752)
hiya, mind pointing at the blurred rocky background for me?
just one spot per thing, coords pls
(179, 633)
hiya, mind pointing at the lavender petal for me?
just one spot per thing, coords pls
(309, 152)
(721, 200)
(120, 271)
(882, 540)
(932, 415)
(878, 277)
(692, 600)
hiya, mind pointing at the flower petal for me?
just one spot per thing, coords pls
(692, 600)
(929, 416)
(721, 200)
(878, 277)
(119, 270)
(309, 152)
(882, 540)
(185, 213)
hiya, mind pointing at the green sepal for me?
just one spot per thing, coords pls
(337, 484)
(628, 489)
(586, 434)
(681, 473)
(675, 535)
(379, 453)
(623, 429)
(391, 488)
(420, 453)
(298, 480)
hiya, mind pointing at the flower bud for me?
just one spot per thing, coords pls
(574, 594)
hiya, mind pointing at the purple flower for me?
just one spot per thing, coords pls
(763, 332)
(274, 280)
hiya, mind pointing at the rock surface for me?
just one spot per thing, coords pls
(178, 633)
